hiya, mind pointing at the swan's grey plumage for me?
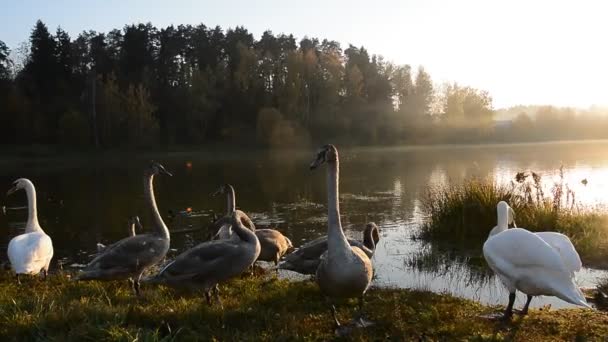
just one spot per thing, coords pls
(345, 271)
(273, 243)
(211, 262)
(32, 251)
(134, 226)
(131, 256)
(306, 259)
(222, 229)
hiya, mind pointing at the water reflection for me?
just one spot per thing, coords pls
(85, 201)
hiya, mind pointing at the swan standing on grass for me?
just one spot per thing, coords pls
(272, 242)
(30, 253)
(131, 256)
(306, 259)
(211, 262)
(134, 223)
(345, 271)
(525, 261)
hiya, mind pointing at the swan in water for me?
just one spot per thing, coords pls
(211, 262)
(345, 271)
(273, 243)
(131, 256)
(31, 252)
(306, 259)
(534, 263)
(134, 223)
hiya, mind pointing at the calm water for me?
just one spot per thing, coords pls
(82, 202)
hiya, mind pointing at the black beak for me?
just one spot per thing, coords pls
(166, 173)
(11, 190)
(315, 164)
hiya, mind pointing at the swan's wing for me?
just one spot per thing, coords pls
(203, 260)
(518, 248)
(524, 261)
(30, 252)
(564, 247)
(311, 250)
(129, 253)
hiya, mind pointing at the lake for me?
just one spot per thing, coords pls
(82, 201)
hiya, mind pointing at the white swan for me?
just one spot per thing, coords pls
(524, 261)
(31, 252)
(345, 271)
(131, 256)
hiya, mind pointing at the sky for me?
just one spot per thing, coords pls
(522, 52)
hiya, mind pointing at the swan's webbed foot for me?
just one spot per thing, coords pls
(18, 279)
(208, 297)
(360, 320)
(45, 274)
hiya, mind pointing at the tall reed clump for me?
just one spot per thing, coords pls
(465, 213)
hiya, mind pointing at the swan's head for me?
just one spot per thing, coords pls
(505, 213)
(157, 169)
(135, 222)
(19, 184)
(222, 190)
(326, 154)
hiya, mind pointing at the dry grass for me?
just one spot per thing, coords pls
(258, 309)
(466, 213)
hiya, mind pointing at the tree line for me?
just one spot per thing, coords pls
(191, 85)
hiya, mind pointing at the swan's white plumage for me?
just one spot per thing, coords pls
(562, 244)
(30, 253)
(533, 263)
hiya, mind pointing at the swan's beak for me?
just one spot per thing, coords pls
(11, 190)
(216, 192)
(166, 173)
(317, 162)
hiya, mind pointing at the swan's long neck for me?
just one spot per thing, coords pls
(158, 222)
(368, 238)
(502, 222)
(335, 236)
(32, 224)
(239, 229)
(231, 198)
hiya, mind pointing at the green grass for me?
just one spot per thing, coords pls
(259, 309)
(466, 213)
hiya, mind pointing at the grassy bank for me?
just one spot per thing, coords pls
(258, 309)
(466, 213)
